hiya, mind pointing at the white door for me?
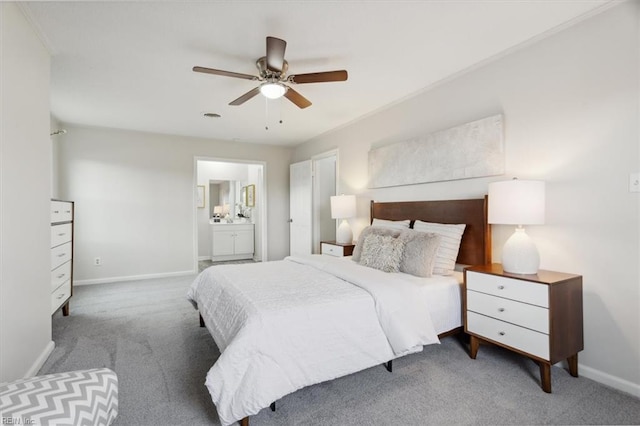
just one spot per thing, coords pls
(300, 207)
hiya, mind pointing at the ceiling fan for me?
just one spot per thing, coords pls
(273, 75)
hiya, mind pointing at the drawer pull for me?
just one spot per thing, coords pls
(56, 211)
(500, 287)
(62, 234)
(500, 309)
(62, 254)
(60, 296)
(61, 275)
(502, 333)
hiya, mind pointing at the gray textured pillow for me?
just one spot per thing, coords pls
(357, 250)
(419, 254)
(382, 252)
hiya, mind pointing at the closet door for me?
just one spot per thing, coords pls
(300, 207)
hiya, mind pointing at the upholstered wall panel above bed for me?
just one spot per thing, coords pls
(471, 150)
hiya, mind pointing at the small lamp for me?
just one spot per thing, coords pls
(518, 202)
(217, 211)
(343, 207)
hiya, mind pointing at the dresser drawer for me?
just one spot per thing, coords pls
(60, 255)
(516, 337)
(60, 295)
(61, 211)
(509, 288)
(60, 234)
(59, 275)
(518, 313)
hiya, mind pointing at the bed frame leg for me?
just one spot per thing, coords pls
(273, 406)
(244, 422)
(201, 321)
(389, 366)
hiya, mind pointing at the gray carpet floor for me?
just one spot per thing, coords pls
(148, 333)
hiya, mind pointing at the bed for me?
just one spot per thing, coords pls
(284, 325)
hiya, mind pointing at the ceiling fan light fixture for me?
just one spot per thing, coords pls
(272, 90)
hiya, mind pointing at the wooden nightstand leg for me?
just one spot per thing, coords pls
(545, 376)
(474, 344)
(573, 365)
(65, 309)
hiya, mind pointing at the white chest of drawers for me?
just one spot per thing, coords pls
(539, 316)
(61, 255)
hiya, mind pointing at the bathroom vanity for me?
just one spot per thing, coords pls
(232, 241)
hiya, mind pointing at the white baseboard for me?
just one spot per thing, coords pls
(39, 362)
(133, 278)
(609, 380)
(204, 258)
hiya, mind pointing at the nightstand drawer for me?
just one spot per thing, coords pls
(509, 288)
(520, 338)
(332, 250)
(518, 313)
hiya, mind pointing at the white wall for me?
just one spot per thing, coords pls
(54, 125)
(570, 103)
(134, 197)
(25, 191)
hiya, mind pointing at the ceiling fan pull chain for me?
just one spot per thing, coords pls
(266, 114)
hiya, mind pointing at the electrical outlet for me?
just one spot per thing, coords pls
(634, 182)
(97, 261)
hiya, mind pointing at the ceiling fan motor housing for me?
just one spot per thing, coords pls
(266, 73)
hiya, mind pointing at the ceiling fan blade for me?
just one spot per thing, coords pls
(275, 53)
(225, 73)
(319, 77)
(244, 98)
(297, 98)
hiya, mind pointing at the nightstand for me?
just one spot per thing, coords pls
(336, 249)
(538, 316)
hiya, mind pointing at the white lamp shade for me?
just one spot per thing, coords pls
(517, 202)
(343, 206)
(217, 209)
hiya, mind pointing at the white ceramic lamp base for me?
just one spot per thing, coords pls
(344, 234)
(520, 255)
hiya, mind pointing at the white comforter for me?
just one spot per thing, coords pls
(284, 325)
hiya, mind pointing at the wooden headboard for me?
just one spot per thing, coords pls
(475, 248)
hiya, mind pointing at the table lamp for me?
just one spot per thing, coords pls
(518, 202)
(343, 207)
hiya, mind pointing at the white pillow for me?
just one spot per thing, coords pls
(450, 237)
(395, 224)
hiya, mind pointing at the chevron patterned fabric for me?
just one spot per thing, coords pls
(84, 397)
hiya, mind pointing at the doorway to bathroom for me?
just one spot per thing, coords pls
(230, 210)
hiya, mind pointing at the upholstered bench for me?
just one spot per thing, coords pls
(84, 397)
